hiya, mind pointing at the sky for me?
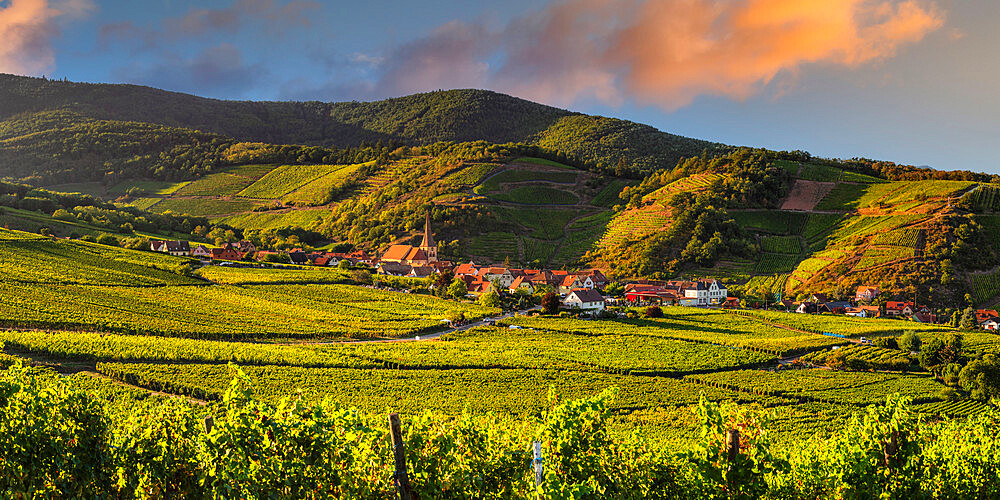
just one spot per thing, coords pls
(910, 81)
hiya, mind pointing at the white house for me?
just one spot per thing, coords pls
(585, 299)
(990, 324)
(201, 252)
(705, 292)
(501, 274)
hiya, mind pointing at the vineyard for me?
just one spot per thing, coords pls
(861, 357)
(285, 179)
(780, 244)
(695, 182)
(848, 388)
(229, 312)
(45, 261)
(776, 263)
(985, 285)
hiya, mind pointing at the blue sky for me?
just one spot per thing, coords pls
(910, 81)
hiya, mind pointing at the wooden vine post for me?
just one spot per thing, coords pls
(400, 477)
(733, 444)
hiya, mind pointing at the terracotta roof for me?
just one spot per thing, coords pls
(396, 252)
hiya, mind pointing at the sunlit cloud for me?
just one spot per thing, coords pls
(661, 52)
(27, 29)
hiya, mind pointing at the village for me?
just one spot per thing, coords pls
(585, 291)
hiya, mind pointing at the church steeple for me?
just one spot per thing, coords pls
(428, 241)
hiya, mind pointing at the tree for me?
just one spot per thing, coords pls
(442, 282)
(654, 312)
(968, 320)
(490, 298)
(981, 377)
(458, 289)
(550, 303)
(909, 341)
(344, 264)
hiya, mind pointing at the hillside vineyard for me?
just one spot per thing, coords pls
(462, 294)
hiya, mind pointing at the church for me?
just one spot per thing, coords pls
(422, 255)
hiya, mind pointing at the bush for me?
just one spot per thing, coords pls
(654, 312)
(909, 341)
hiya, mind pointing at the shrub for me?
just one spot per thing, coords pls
(654, 312)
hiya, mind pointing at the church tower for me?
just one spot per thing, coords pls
(428, 245)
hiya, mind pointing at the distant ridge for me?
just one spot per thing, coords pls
(453, 115)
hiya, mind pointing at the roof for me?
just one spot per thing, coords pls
(569, 280)
(396, 252)
(422, 271)
(416, 254)
(865, 288)
(178, 246)
(586, 295)
(517, 282)
(469, 268)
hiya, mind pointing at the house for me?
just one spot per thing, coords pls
(990, 324)
(597, 278)
(501, 274)
(202, 252)
(323, 261)
(393, 269)
(584, 298)
(653, 294)
(573, 281)
(731, 303)
(421, 272)
(807, 308)
(700, 293)
(866, 293)
(819, 298)
(836, 307)
(421, 255)
(924, 317)
(245, 247)
(520, 283)
(175, 248)
(985, 314)
(467, 269)
(863, 311)
(896, 308)
(298, 257)
(227, 252)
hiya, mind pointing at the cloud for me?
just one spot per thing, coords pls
(662, 52)
(218, 70)
(262, 16)
(27, 28)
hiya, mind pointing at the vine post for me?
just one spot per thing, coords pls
(400, 477)
(537, 463)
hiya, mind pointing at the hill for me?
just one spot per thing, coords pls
(421, 119)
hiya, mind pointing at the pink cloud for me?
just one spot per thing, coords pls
(27, 28)
(662, 52)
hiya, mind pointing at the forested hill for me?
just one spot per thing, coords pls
(455, 115)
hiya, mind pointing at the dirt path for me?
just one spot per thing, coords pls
(68, 367)
(418, 338)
